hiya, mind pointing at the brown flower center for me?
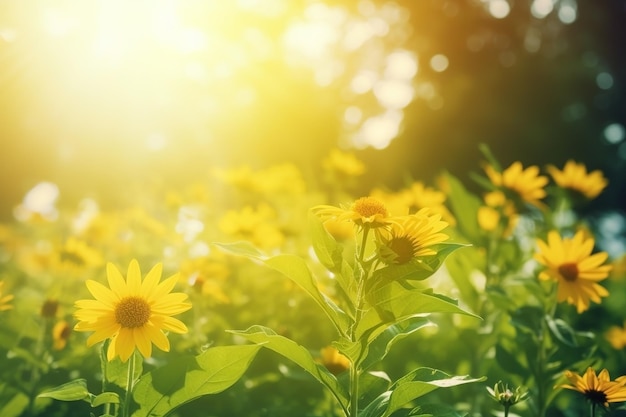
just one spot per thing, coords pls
(132, 312)
(597, 397)
(569, 272)
(369, 207)
(404, 247)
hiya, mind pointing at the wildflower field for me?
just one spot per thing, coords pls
(311, 208)
(286, 300)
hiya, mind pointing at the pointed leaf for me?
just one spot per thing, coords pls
(393, 303)
(296, 269)
(378, 349)
(297, 354)
(12, 402)
(465, 206)
(330, 254)
(241, 248)
(184, 379)
(420, 382)
(75, 390)
(105, 398)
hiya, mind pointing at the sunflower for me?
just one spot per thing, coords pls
(574, 177)
(599, 389)
(364, 212)
(569, 261)
(132, 313)
(5, 299)
(526, 183)
(412, 237)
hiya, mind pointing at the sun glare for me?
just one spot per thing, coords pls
(139, 73)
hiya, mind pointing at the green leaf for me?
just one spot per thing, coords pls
(71, 391)
(241, 248)
(491, 159)
(330, 254)
(378, 349)
(460, 267)
(105, 398)
(12, 402)
(562, 331)
(184, 379)
(393, 304)
(509, 362)
(298, 355)
(430, 410)
(296, 269)
(465, 206)
(116, 371)
(420, 382)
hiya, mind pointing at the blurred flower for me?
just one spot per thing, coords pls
(498, 210)
(334, 361)
(5, 299)
(256, 225)
(366, 211)
(206, 276)
(343, 164)
(60, 334)
(412, 237)
(49, 308)
(76, 255)
(577, 271)
(616, 336)
(502, 394)
(527, 184)
(597, 389)
(282, 179)
(574, 176)
(132, 313)
(418, 196)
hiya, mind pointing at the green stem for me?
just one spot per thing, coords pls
(130, 381)
(354, 390)
(593, 409)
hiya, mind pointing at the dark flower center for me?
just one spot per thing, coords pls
(132, 312)
(72, 258)
(596, 397)
(404, 247)
(569, 272)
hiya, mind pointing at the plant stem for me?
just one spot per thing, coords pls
(354, 390)
(593, 409)
(130, 381)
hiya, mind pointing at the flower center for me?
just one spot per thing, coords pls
(132, 312)
(597, 397)
(404, 247)
(569, 272)
(368, 207)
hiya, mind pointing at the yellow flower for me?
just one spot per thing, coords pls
(364, 212)
(60, 334)
(334, 361)
(597, 389)
(497, 208)
(256, 225)
(412, 237)
(76, 255)
(526, 183)
(344, 164)
(574, 176)
(5, 299)
(341, 231)
(131, 312)
(569, 262)
(616, 336)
